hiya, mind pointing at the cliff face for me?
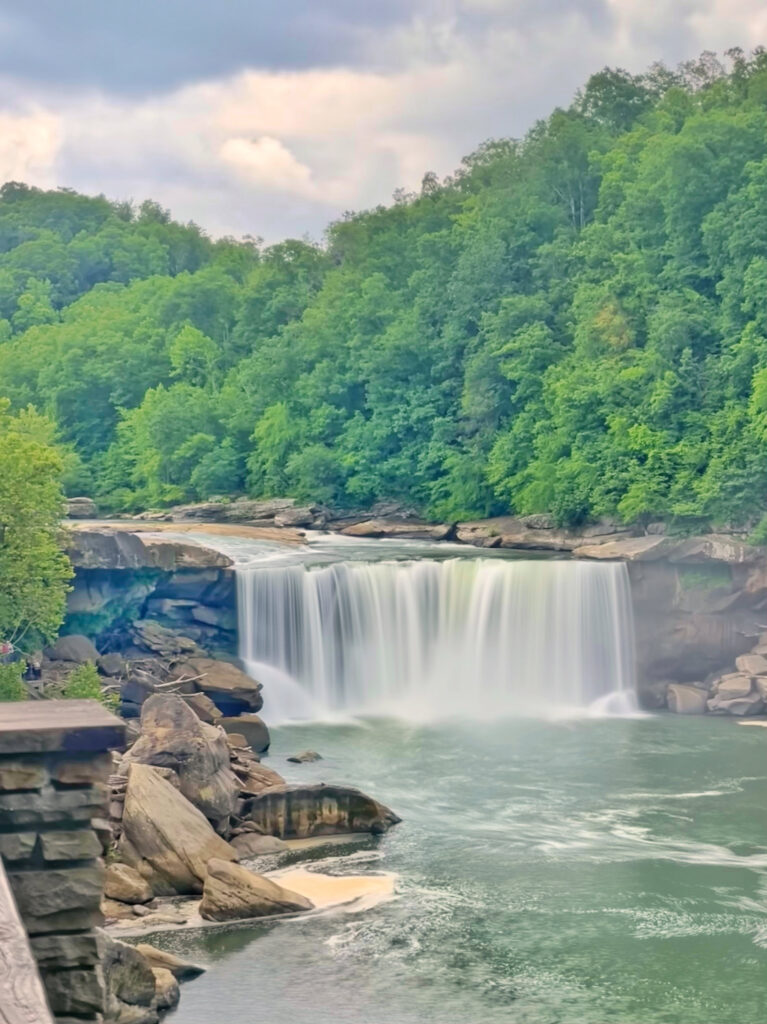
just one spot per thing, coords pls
(122, 577)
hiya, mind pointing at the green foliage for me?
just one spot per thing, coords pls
(11, 684)
(574, 323)
(33, 571)
(83, 683)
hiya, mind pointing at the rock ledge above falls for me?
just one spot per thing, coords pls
(113, 547)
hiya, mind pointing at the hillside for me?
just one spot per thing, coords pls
(574, 322)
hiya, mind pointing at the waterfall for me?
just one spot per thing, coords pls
(423, 639)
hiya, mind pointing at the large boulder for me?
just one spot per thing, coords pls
(751, 704)
(172, 736)
(129, 982)
(736, 684)
(295, 812)
(253, 844)
(125, 884)
(75, 648)
(752, 664)
(230, 689)
(165, 837)
(232, 892)
(166, 993)
(253, 728)
(81, 508)
(182, 970)
(686, 700)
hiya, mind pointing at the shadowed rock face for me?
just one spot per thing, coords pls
(296, 812)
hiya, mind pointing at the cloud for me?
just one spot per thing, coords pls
(268, 162)
(353, 100)
(29, 145)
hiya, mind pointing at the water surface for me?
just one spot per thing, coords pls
(571, 872)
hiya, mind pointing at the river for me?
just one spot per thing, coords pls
(568, 872)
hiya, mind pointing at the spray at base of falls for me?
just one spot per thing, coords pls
(430, 639)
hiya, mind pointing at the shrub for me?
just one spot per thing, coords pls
(11, 685)
(83, 683)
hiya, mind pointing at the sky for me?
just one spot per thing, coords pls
(271, 118)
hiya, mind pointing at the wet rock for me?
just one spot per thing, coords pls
(182, 970)
(253, 728)
(305, 757)
(172, 736)
(232, 892)
(686, 700)
(165, 837)
(295, 812)
(75, 648)
(166, 991)
(129, 981)
(125, 884)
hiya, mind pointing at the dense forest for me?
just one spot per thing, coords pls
(574, 322)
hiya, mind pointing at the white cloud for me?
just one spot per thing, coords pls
(281, 152)
(266, 161)
(29, 144)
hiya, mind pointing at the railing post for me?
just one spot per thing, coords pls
(54, 765)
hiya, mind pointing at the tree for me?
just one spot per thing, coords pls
(33, 570)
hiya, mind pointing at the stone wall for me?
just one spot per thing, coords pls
(54, 766)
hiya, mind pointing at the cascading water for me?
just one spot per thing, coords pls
(427, 638)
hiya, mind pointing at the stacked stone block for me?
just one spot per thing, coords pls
(54, 766)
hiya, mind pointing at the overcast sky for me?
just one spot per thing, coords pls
(271, 117)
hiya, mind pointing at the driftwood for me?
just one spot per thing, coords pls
(22, 999)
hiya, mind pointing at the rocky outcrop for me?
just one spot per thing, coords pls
(75, 648)
(686, 700)
(106, 547)
(182, 970)
(81, 508)
(232, 892)
(165, 837)
(538, 533)
(407, 530)
(166, 990)
(253, 844)
(251, 727)
(130, 983)
(296, 812)
(125, 884)
(230, 689)
(172, 736)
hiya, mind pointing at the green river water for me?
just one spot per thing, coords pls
(569, 872)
